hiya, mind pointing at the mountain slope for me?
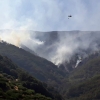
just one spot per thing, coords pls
(17, 84)
(27, 49)
(36, 66)
(89, 90)
(89, 68)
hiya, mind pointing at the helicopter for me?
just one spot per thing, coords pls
(69, 16)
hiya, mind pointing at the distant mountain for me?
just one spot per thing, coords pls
(17, 84)
(49, 39)
(87, 41)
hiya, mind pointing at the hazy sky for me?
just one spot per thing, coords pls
(50, 15)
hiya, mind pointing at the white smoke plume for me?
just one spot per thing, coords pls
(20, 37)
(74, 43)
(69, 44)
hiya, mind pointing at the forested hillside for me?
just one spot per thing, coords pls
(89, 90)
(16, 84)
(38, 67)
(88, 69)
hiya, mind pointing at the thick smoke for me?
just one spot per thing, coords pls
(67, 44)
(57, 47)
(72, 43)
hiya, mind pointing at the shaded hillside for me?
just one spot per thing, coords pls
(27, 49)
(36, 66)
(17, 84)
(89, 90)
(89, 68)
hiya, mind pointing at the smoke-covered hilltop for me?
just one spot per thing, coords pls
(61, 46)
(57, 47)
